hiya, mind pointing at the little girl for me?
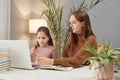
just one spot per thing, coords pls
(44, 46)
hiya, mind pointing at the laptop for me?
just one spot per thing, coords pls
(20, 56)
(19, 53)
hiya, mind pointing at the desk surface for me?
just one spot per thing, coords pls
(82, 73)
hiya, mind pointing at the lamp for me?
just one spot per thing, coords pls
(34, 24)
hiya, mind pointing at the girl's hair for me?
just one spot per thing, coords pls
(81, 16)
(47, 32)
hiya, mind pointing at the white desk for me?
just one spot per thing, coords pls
(82, 73)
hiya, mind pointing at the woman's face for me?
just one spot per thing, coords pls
(76, 26)
(42, 38)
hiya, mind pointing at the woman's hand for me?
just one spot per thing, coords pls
(43, 61)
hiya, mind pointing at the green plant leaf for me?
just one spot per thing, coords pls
(104, 54)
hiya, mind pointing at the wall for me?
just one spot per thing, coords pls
(20, 13)
(106, 25)
(4, 19)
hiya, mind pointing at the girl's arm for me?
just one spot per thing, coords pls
(32, 54)
(54, 53)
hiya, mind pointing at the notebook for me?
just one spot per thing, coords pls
(19, 53)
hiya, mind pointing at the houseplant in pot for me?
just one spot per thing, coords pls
(103, 61)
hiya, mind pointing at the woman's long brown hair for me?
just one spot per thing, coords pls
(81, 16)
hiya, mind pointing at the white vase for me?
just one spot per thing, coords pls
(103, 73)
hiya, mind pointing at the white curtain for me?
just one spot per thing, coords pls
(4, 19)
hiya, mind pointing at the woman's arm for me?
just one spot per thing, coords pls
(78, 59)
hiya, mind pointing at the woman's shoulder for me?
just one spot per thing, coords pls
(91, 40)
(91, 37)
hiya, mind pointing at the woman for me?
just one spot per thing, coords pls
(80, 35)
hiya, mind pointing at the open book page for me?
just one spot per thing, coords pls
(60, 68)
(49, 67)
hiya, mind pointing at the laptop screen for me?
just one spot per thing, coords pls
(19, 53)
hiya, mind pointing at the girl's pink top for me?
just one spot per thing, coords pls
(45, 51)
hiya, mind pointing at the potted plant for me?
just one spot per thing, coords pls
(103, 61)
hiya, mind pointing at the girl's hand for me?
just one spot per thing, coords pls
(43, 61)
(33, 58)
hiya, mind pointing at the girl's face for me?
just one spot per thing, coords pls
(76, 26)
(42, 38)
